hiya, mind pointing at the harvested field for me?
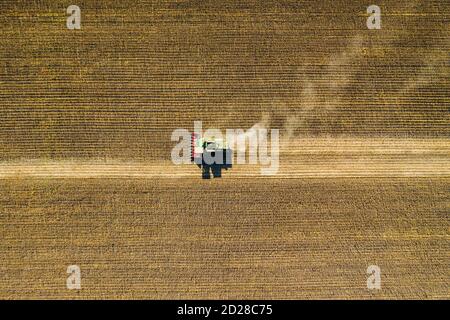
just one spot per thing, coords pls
(244, 238)
(85, 142)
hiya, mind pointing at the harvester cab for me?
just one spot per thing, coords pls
(211, 155)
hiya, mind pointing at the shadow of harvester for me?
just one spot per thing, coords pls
(222, 160)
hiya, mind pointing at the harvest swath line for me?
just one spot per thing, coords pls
(337, 157)
(139, 170)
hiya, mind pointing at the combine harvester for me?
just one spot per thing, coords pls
(211, 155)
